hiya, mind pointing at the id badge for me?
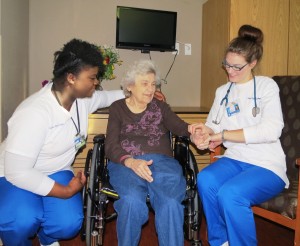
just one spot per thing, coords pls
(79, 141)
(232, 109)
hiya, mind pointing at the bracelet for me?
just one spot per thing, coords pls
(222, 134)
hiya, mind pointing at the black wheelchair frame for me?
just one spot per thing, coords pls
(98, 193)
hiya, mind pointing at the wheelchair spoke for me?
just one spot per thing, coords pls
(95, 202)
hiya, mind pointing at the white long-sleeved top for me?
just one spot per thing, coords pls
(41, 137)
(262, 146)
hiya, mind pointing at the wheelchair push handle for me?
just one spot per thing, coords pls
(183, 139)
(99, 138)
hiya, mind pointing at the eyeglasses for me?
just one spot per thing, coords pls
(234, 67)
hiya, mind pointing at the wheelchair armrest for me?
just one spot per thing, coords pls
(100, 138)
(185, 157)
(181, 150)
(184, 139)
(190, 178)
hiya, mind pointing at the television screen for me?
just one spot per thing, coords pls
(145, 29)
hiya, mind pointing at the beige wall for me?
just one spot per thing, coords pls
(53, 23)
(14, 34)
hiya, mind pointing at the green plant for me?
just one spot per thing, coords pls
(110, 58)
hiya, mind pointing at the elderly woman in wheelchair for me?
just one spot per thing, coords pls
(141, 159)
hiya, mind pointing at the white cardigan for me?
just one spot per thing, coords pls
(41, 136)
(262, 146)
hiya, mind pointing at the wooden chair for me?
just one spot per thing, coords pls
(283, 208)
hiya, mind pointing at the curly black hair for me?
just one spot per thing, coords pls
(73, 57)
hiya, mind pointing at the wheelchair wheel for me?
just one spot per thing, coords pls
(95, 201)
(192, 204)
(84, 192)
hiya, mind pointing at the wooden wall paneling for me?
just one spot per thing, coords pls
(272, 17)
(221, 21)
(215, 35)
(294, 38)
(94, 126)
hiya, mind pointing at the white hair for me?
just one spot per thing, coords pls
(141, 67)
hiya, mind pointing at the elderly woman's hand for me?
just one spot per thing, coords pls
(202, 141)
(199, 135)
(140, 167)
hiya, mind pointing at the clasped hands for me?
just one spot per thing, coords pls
(203, 137)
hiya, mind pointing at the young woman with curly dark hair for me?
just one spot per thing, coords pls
(39, 193)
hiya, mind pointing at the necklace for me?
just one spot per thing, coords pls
(57, 99)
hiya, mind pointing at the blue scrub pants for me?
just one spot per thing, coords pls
(228, 188)
(166, 194)
(24, 214)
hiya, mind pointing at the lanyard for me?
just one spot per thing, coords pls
(77, 128)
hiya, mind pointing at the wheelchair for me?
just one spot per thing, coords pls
(98, 193)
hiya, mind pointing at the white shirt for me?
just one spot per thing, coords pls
(262, 146)
(41, 134)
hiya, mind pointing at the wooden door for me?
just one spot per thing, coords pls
(221, 21)
(294, 38)
(272, 17)
(215, 36)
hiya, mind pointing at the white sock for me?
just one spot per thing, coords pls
(52, 244)
(225, 244)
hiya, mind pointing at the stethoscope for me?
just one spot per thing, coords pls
(255, 109)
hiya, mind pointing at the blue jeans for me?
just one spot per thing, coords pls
(166, 194)
(228, 188)
(23, 214)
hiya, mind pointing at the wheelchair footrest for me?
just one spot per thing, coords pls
(110, 192)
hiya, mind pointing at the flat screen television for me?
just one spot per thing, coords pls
(145, 29)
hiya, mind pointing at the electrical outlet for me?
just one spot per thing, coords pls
(177, 48)
(187, 49)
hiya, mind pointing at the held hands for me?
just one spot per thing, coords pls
(203, 137)
(200, 135)
(215, 141)
(140, 167)
(214, 144)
